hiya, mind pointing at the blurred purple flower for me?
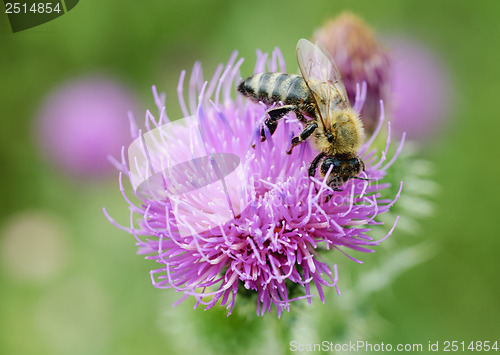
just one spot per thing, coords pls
(82, 122)
(359, 57)
(280, 219)
(421, 92)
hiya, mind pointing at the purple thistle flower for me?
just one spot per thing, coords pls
(421, 91)
(359, 57)
(83, 121)
(279, 219)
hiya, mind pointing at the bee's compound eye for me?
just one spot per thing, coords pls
(355, 163)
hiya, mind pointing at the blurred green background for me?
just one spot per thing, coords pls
(99, 298)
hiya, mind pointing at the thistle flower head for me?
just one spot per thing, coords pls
(359, 57)
(223, 219)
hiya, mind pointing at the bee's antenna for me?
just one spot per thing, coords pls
(360, 178)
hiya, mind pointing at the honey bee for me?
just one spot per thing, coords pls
(319, 94)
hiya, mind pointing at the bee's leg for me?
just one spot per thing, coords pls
(299, 115)
(303, 135)
(275, 114)
(314, 164)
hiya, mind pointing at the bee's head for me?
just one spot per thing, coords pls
(344, 168)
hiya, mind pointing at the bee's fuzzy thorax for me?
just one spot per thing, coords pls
(349, 134)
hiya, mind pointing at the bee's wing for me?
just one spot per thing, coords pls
(322, 77)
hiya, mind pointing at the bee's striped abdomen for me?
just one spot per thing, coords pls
(275, 87)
